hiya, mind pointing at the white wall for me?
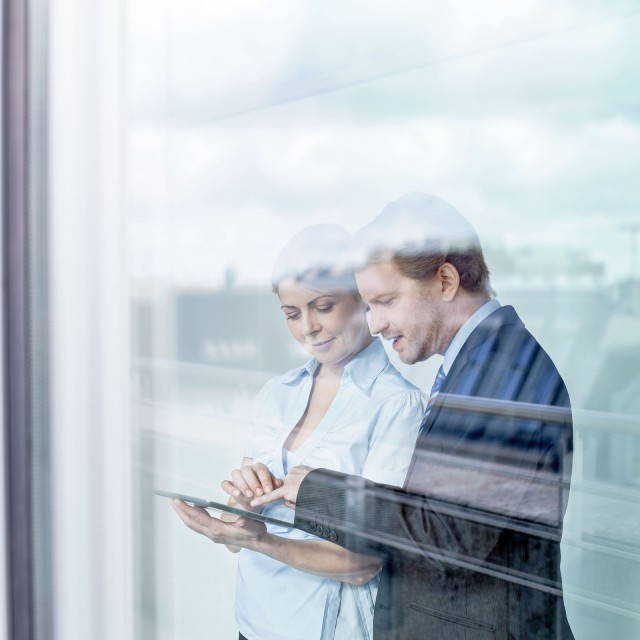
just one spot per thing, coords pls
(91, 467)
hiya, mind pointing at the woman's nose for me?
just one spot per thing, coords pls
(309, 326)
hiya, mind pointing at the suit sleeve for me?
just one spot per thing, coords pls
(377, 519)
(491, 463)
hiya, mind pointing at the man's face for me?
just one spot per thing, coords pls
(408, 312)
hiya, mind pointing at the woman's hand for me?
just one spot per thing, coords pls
(317, 557)
(242, 532)
(287, 491)
(249, 482)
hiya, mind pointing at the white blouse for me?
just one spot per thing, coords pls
(370, 430)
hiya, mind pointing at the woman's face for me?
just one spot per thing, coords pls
(331, 325)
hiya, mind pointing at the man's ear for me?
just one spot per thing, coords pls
(449, 281)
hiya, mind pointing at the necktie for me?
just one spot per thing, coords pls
(435, 390)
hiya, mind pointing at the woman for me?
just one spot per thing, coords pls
(346, 409)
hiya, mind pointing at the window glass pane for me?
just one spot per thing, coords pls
(251, 120)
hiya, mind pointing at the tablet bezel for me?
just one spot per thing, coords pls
(219, 506)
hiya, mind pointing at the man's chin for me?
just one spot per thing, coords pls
(411, 357)
(407, 358)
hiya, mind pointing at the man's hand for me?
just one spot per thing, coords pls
(249, 482)
(288, 491)
(240, 533)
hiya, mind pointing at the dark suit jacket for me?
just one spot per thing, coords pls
(471, 545)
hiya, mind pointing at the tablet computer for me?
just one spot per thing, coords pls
(219, 506)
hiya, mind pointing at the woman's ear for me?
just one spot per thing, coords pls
(449, 281)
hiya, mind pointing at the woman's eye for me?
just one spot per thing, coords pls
(325, 308)
(293, 316)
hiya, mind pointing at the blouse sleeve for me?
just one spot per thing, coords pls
(394, 438)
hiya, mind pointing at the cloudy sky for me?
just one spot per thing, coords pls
(250, 119)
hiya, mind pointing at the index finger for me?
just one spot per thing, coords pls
(276, 494)
(264, 476)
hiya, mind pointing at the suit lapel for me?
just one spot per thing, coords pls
(466, 369)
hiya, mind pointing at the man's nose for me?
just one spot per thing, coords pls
(377, 322)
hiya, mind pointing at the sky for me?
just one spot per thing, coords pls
(249, 120)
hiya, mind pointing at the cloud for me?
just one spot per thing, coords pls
(212, 60)
(517, 137)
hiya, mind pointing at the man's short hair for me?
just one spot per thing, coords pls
(419, 233)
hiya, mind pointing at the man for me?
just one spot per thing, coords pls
(471, 545)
